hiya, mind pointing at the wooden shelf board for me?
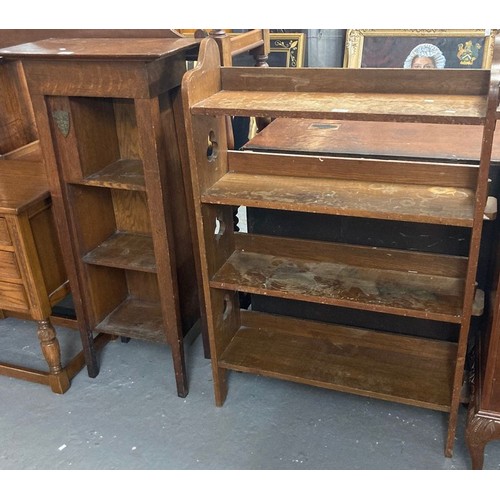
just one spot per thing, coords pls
(430, 108)
(403, 283)
(405, 202)
(121, 174)
(125, 251)
(135, 319)
(396, 368)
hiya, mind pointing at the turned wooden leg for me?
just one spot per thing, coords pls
(180, 368)
(58, 378)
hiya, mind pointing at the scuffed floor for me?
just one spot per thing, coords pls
(130, 417)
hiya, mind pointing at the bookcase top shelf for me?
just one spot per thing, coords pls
(429, 108)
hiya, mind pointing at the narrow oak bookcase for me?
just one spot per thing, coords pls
(401, 368)
(105, 113)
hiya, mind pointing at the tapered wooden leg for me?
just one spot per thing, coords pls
(58, 378)
(180, 368)
(220, 385)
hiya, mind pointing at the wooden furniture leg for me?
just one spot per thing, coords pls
(58, 378)
(180, 368)
(480, 430)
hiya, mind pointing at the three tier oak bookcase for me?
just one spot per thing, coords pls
(104, 110)
(437, 287)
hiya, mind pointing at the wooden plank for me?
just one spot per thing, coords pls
(243, 42)
(298, 273)
(397, 368)
(424, 108)
(433, 142)
(99, 48)
(121, 174)
(352, 80)
(28, 374)
(356, 169)
(29, 152)
(124, 251)
(135, 319)
(405, 202)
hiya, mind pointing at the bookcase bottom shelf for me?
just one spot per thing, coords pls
(135, 319)
(391, 367)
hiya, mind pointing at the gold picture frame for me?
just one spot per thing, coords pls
(286, 50)
(378, 48)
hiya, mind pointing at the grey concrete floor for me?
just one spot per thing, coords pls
(130, 418)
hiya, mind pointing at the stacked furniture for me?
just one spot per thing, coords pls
(407, 283)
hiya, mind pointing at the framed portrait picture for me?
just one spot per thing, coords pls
(443, 49)
(286, 50)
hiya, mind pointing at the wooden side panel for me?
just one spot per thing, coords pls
(4, 233)
(126, 128)
(13, 297)
(48, 249)
(95, 134)
(177, 207)
(9, 269)
(17, 122)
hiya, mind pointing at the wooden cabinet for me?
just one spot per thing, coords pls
(32, 275)
(105, 112)
(432, 286)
